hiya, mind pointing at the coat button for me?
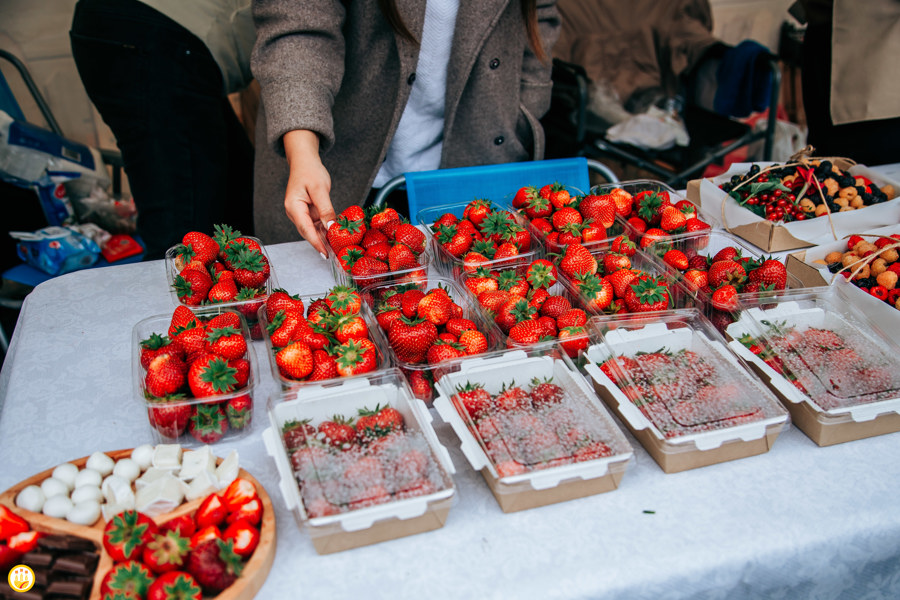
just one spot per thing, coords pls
(411, 79)
(498, 140)
(495, 63)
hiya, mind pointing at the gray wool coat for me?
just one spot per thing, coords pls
(337, 68)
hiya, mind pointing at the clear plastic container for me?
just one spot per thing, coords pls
(561, 289)
(708, 244)
(414, 274)
(451, 266)
(422, 376)
(836, 371)
(174, 421)
(359, 493)
(248, 308)
(644, 264)
(635, 187)
(533, 427)
(688, 399)
(382, 360)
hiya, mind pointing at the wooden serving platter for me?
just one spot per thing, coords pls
(247, 585)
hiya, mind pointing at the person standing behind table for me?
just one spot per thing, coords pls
(354, 93)
(851, 79)
(159, 72)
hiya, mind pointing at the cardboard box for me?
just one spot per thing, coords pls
(834, 411)
(560, 473)
(359, 523)
(737, 417)
(773, 237)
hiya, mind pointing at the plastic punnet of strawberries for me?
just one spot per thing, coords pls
(532, 426)
(193, 375)
(836, 366)
(721, 277)
(372, 246)
(223, 268)
(350, 462)
(530, 305)
(611, 282)
(329, 338)
(560, 218)
(191, 556)
(484, 234)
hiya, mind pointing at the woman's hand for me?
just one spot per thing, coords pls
(307, 199)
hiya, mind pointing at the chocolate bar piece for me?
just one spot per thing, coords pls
(68, 589)
(79, 564)
(68, 543)
(37, 559)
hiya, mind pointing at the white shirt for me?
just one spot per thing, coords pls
(417, 143)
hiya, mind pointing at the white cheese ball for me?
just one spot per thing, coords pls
(88, 477)
(54, 487)
(86, 492)
(66, 473)
(31, 498)
(127, 469)
(84, 513)
(57, 506)
(101, 463)
(143, 456)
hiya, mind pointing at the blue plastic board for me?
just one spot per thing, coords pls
(497, 183)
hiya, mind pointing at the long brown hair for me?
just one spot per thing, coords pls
(529, 14)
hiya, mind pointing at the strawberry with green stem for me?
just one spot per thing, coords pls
(211, 375)
(208, 424)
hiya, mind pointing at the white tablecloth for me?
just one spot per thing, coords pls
(798, 522)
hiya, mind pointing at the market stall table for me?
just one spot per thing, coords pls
(797, 522)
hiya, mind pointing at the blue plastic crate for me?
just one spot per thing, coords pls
(497, 183)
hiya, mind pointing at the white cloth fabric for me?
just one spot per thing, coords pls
(416, 146)
(799, 522)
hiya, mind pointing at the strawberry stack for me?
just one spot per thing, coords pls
(197, 377)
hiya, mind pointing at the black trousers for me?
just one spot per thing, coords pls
(188, 160)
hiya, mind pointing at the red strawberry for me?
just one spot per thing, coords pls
(348, 255)
(166, 375)
(198, 246)
(244, 536)
(600, 209)
(153, 346)
(192, 286)
(338, 432)
(166, 551)
(511, 397)
(435, 307)
(279, 299)
(541, 273)
(725, 298)
(401, 258)
(345, 232)
(538, 208)
(577, 259)
(545, 393)
(623, 245)
(182, 318)
(523, 195)
(671, 219)
(559, 196)
(725, 271)
(227, 342)
(477, 211)
(191, 342)
(525, 333)
(565, 216)
(613, 261)
(473, 399)
(457, 325)
(411, 338)
(169, 417)
(410, 236)
(695, 224)
(696, 279)
(215, 565)
(441, 351)
(129, 579)
(251, 269)
(175, 585)
(208, 423)
(646, 293)
(676, 259)
(381, 219)
(210, 375)
(125, 535)
(574, 317)
(620, 281)
(473, 341)
(354, 357)
(239, 410)
(573, 340)
(420, 383)
(367, 267)
(295, 361)
(771, 272)
(454, 241)
(297, 434)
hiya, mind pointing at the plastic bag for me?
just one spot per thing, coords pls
(56, 250)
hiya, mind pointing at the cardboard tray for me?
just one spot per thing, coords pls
(537, 487)
(373, 524)
(772, 237)
(824, 427)
(683, 329)
(247, 585)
